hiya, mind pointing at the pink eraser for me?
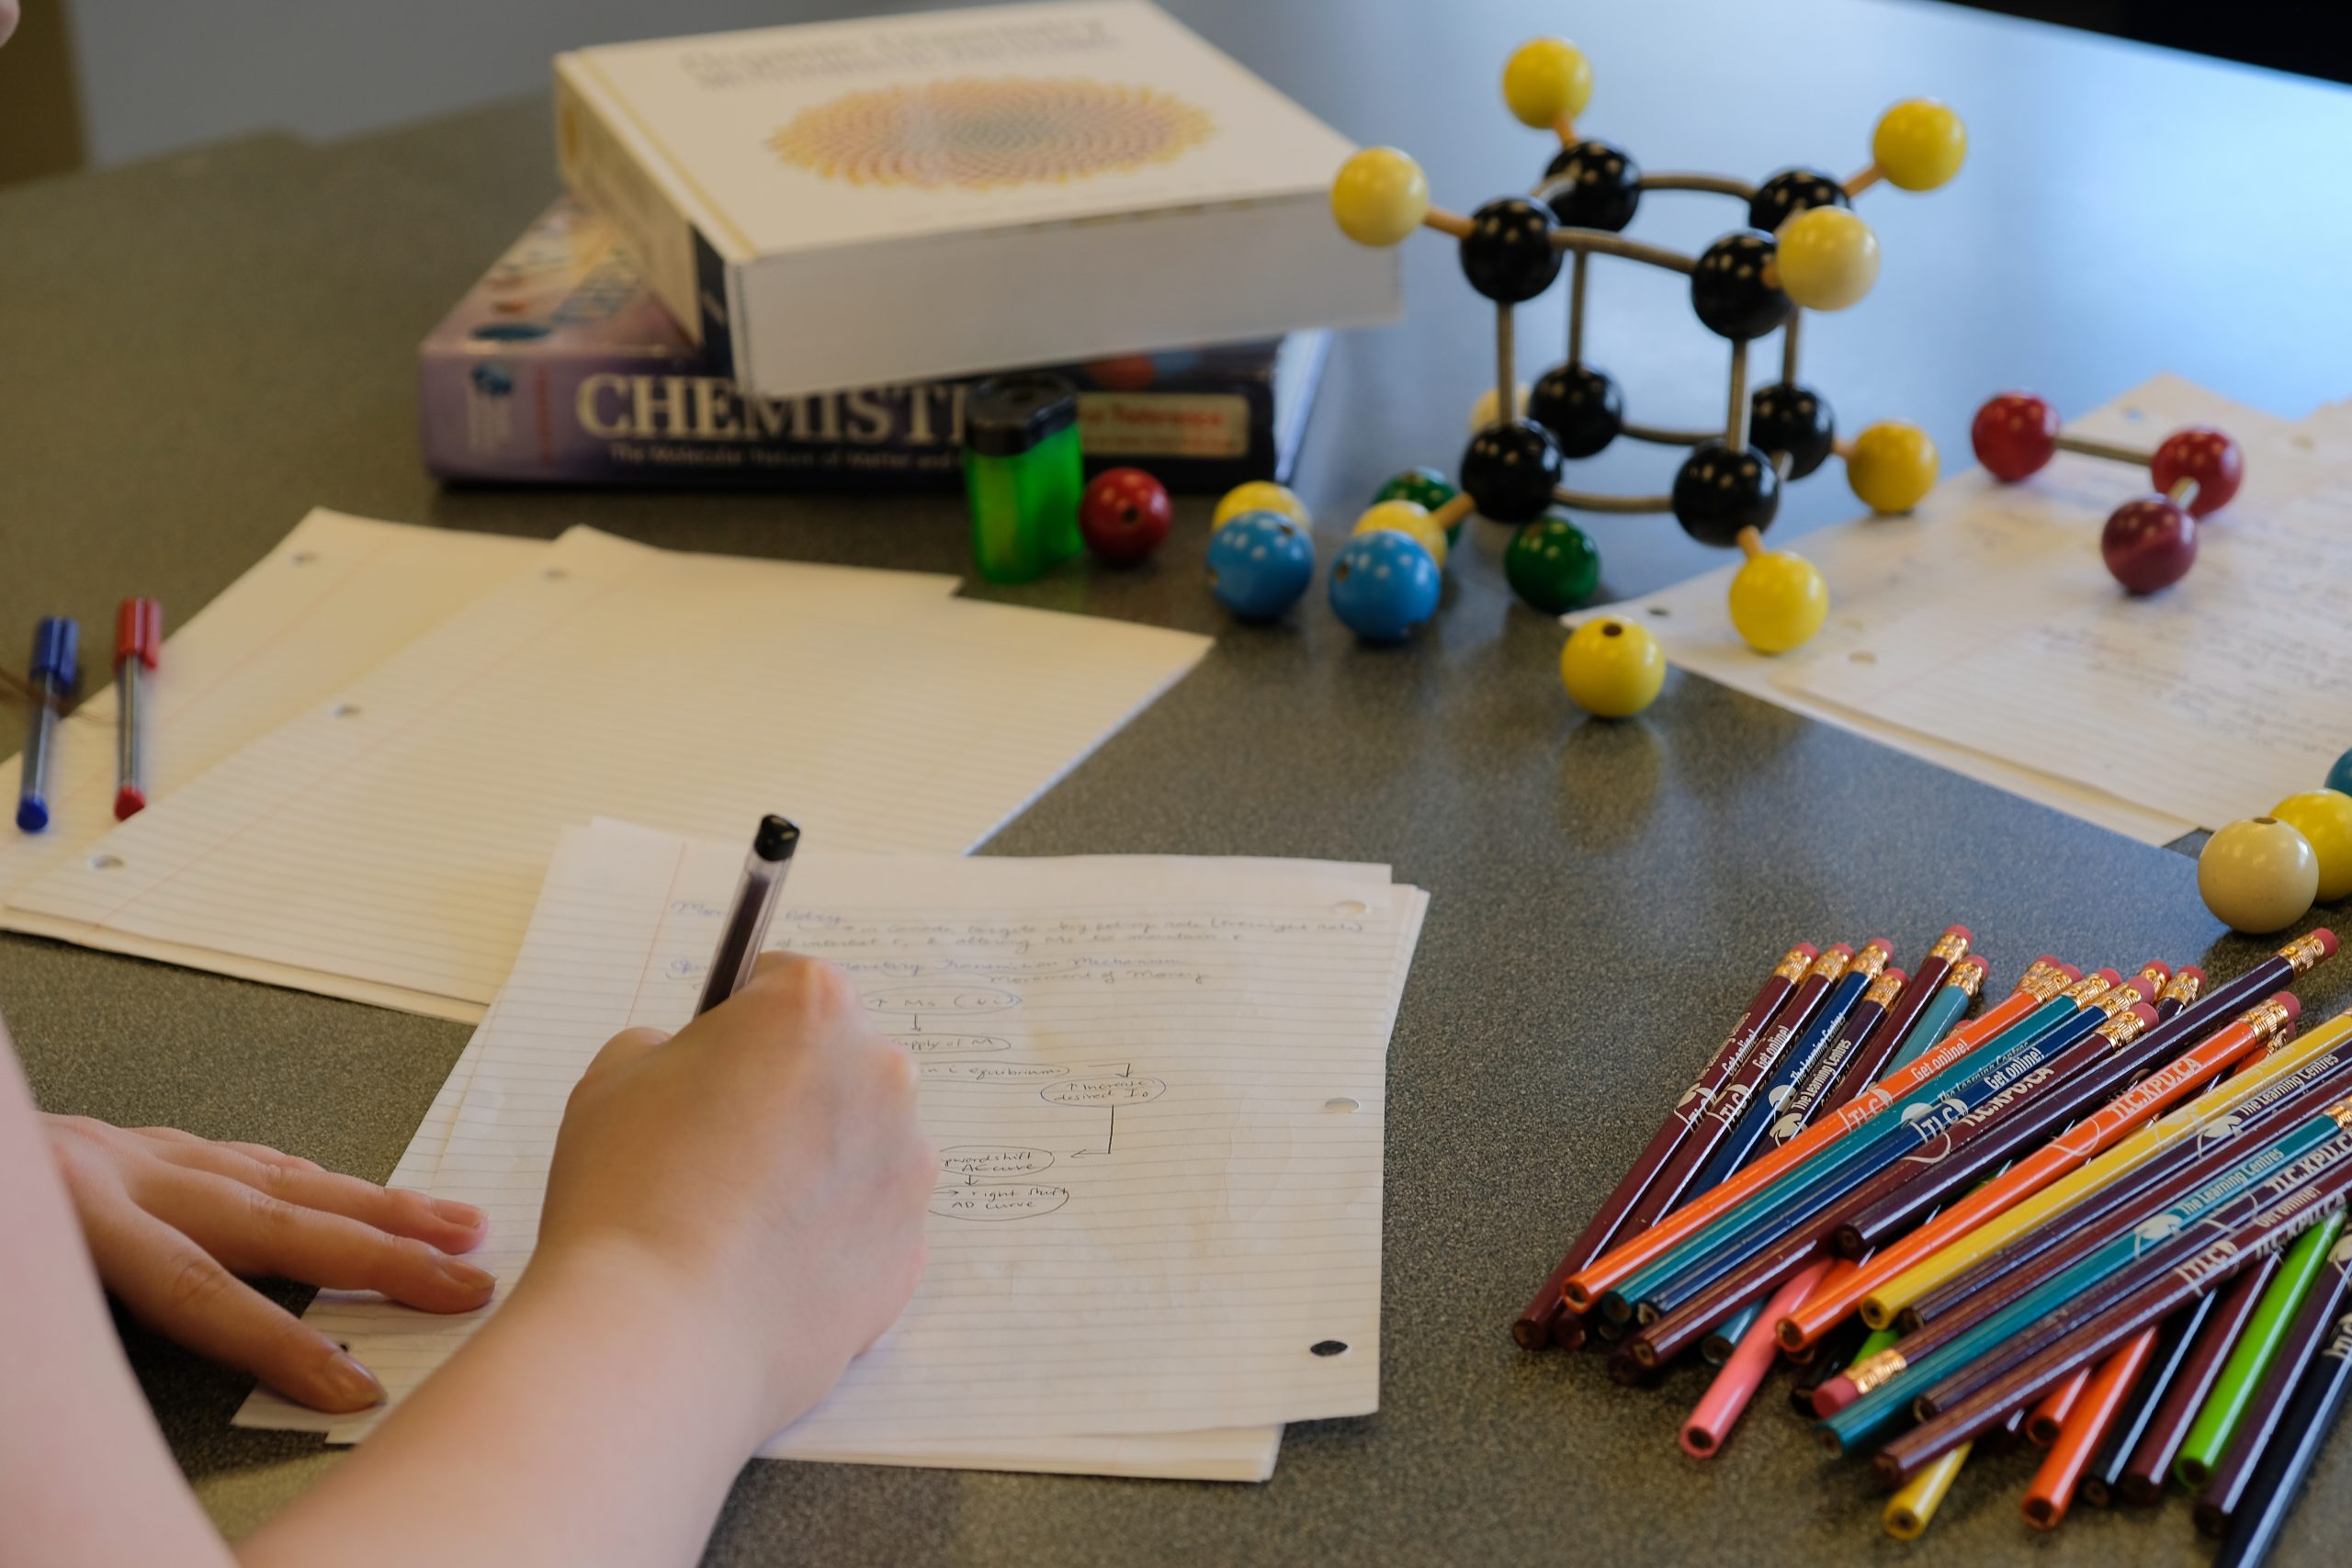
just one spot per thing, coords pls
(1963, 933)
(1882, 944)
(1810, 952)
(2071, 972)
(1890, 972)
(2052, 960)
(2286, 999)
(2326, 940)
(2110, 975)
(1978, 959)
(2163, 969)
(2192, 969)
(2146, 1014)
(1842, 947)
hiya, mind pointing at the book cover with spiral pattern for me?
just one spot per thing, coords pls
(932, 195)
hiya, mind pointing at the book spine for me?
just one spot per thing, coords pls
(599, 167)
(609, 421)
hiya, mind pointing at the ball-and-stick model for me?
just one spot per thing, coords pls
(2150, 541)
(1803, 248)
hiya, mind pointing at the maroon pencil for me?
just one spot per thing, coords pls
(2313, 1323)
(2289, 1098)
(2184, 1396)
(2218, 1260)
(1867, 1063)
(1713, 1122)
(1547, 1320)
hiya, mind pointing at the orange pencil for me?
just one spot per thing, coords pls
(2102, 1399)
(2244, 1039)
(2049, 1418)
(2045, 979)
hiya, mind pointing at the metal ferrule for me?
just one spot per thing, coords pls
(1877, 1370)
(2183, 987)
(1951, 947)
(1830, 964)
(2304, 952)
(2340, 1113)
(1869, 963)
(1791, 964)
(2267, 1021)
(2122, 1029)
(2086, 990)
(1883, 989)
(1966, 977)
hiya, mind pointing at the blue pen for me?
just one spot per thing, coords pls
(57, 642)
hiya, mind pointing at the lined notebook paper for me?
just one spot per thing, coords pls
(390, 838)
(1157, 1088)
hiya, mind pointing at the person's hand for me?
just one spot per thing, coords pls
(172, 1219)
(766, 1160)
(7, 19)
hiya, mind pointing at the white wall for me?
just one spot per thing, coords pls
(160, 74)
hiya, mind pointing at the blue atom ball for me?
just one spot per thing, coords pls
(2339, 777)
(1258, 564)
(1384, 585)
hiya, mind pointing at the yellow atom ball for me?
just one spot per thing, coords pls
(1778, 601)
(1893, 466)
(1612, 667)
(1379, 196)
(1545, 78)
(1829, 258)
(1260, 495)
(2323, 817)
(2257, 876)
(1918, 145)
(1409, 518)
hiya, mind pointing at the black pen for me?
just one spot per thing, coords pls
(747, 923)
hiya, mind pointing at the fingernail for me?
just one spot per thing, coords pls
(465, 1275)
(352, 1386)
(457, 1213)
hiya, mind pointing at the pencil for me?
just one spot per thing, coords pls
(1710, 1423)
(1724, 1337)
(1801, 1193)
(2048, 1417)
(2250, 1358)
(2187, 1074)
(2092, 1411)
(2312, 1412)
(1713, 1122)
(1881, 1305)
(2150, 1465)
(1813, 1091)
(2102, 1484)
(1875, 1056)
(2044, 979)
(1538, 1324)
(1969, 1346)
(1913, 1508)
(2217, 1260)
(2307, 1085)
(2181, 991)
(1845, 1176)
(1942, 1014)
(2322, 1312)
(1831, 1354)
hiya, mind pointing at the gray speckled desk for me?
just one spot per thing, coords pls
(200, 349)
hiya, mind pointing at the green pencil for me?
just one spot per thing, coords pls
(2225, 1406)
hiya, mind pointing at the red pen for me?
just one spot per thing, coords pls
(138, 641)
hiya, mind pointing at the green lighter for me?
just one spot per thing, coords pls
(1021, 474)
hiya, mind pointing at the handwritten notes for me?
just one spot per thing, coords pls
(1156, 1086)
(1984, 634)
(388, 840)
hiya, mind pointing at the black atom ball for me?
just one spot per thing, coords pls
(1507, 254)
(1580, 406)
(1718, 491)
(1783, 417)
(1793, 191)
(1592, 185)
(1728, 290)
(1510, 471)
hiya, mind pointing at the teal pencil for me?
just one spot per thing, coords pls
(1939, 1017)
(2218, 1419)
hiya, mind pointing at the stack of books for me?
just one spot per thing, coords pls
(786, 252)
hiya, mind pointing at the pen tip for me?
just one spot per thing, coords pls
(31, 815)
(776, 838)
(129, 802)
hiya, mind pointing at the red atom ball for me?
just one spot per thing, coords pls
(2148, 544)
(1125, 514)
(2014, 436)
(2201, 453)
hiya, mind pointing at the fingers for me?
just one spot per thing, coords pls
(179, 1290)
(627, 1046)
(261, 1152)
(441, 1222)
(253, 1232)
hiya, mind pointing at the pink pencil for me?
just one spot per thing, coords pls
(1718, 1410)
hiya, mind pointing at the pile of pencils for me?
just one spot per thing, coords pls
(2106, 1212)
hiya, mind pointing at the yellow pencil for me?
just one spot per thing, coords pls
(1879, 1307)
(1911, 1510)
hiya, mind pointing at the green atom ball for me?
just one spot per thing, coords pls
(1424, 487)
(1552, 564)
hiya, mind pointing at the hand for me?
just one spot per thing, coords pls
(172, 1219)
(766, 1160)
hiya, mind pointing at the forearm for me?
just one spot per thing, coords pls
(594, 1419)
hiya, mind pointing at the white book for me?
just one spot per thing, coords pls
(852, 203)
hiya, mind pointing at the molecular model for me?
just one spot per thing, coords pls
(1802, 248)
